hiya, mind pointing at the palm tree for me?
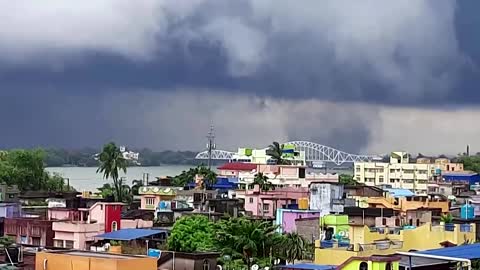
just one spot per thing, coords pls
(275, 150)
(262, 180)
(241, 238)
(294, 247)
(3, 155)
(136, 185)
(111, 162)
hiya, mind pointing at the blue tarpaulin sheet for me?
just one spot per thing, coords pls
(129, 234)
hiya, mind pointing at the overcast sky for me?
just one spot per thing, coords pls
(367, 76)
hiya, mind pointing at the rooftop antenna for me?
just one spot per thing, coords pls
(210, 145)
(468, 150)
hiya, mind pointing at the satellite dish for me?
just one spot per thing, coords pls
(144, 189)
(167, 190)
(255, 267)
(155, 189)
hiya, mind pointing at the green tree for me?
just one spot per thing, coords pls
(111, 162)
(471, 163)
(136, 185)
(192, 234)
(294, 247)
(248, 240)
(262, 180)
(25, 168)
(275, 151)
(347, 179)
(107, 191)
(188, 176)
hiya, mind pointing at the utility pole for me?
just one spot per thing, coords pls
(210, 145)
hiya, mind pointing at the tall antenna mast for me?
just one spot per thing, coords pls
(210, 145)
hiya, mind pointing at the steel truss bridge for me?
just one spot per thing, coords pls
(313, 152)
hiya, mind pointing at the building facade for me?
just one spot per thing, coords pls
(156, 198)
(401, 173)
(265, 203)
(398, 173)
(30, 231)
(326, 198)
(259, 156)
(76, 228)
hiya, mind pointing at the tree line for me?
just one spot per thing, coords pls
(26, 169)
(55, 157)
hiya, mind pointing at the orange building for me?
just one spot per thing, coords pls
(80, 260)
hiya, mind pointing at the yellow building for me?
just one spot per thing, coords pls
(366, 243)
(371, 263)
(403, 204)
(79, 260)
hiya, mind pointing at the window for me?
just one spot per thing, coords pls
(68, 244)
(101, 207)
(363, 266)
(114, 226)
(35, 230)
(36, 241)
(58, 243)
(250, 200)
(266, 207)
(150, 201)
(380, 179)
(206, 265)
(388, 266)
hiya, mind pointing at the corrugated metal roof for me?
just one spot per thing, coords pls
(465, 252)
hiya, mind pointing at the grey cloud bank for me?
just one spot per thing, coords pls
(74, 74)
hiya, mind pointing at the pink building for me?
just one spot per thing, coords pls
(156, 198)
(286, 218)
(265, 203)
(279, 175)
(232, 169)
(76, 228)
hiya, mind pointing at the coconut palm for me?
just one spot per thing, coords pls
(241, 238)
(262, 180)
(136, 185)
(111, 162)
(275, 150)
(294, 247)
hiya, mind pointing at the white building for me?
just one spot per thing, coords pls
(399, 173)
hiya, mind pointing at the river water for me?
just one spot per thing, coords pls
(86, 178)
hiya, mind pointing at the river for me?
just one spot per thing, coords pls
(86, 178)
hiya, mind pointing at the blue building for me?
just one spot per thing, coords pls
(470, 178)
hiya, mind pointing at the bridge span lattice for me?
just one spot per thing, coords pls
(313, 152)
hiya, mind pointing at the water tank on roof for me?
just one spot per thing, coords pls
(467, 212)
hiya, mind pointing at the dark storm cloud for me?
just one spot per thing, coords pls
(59, 67)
